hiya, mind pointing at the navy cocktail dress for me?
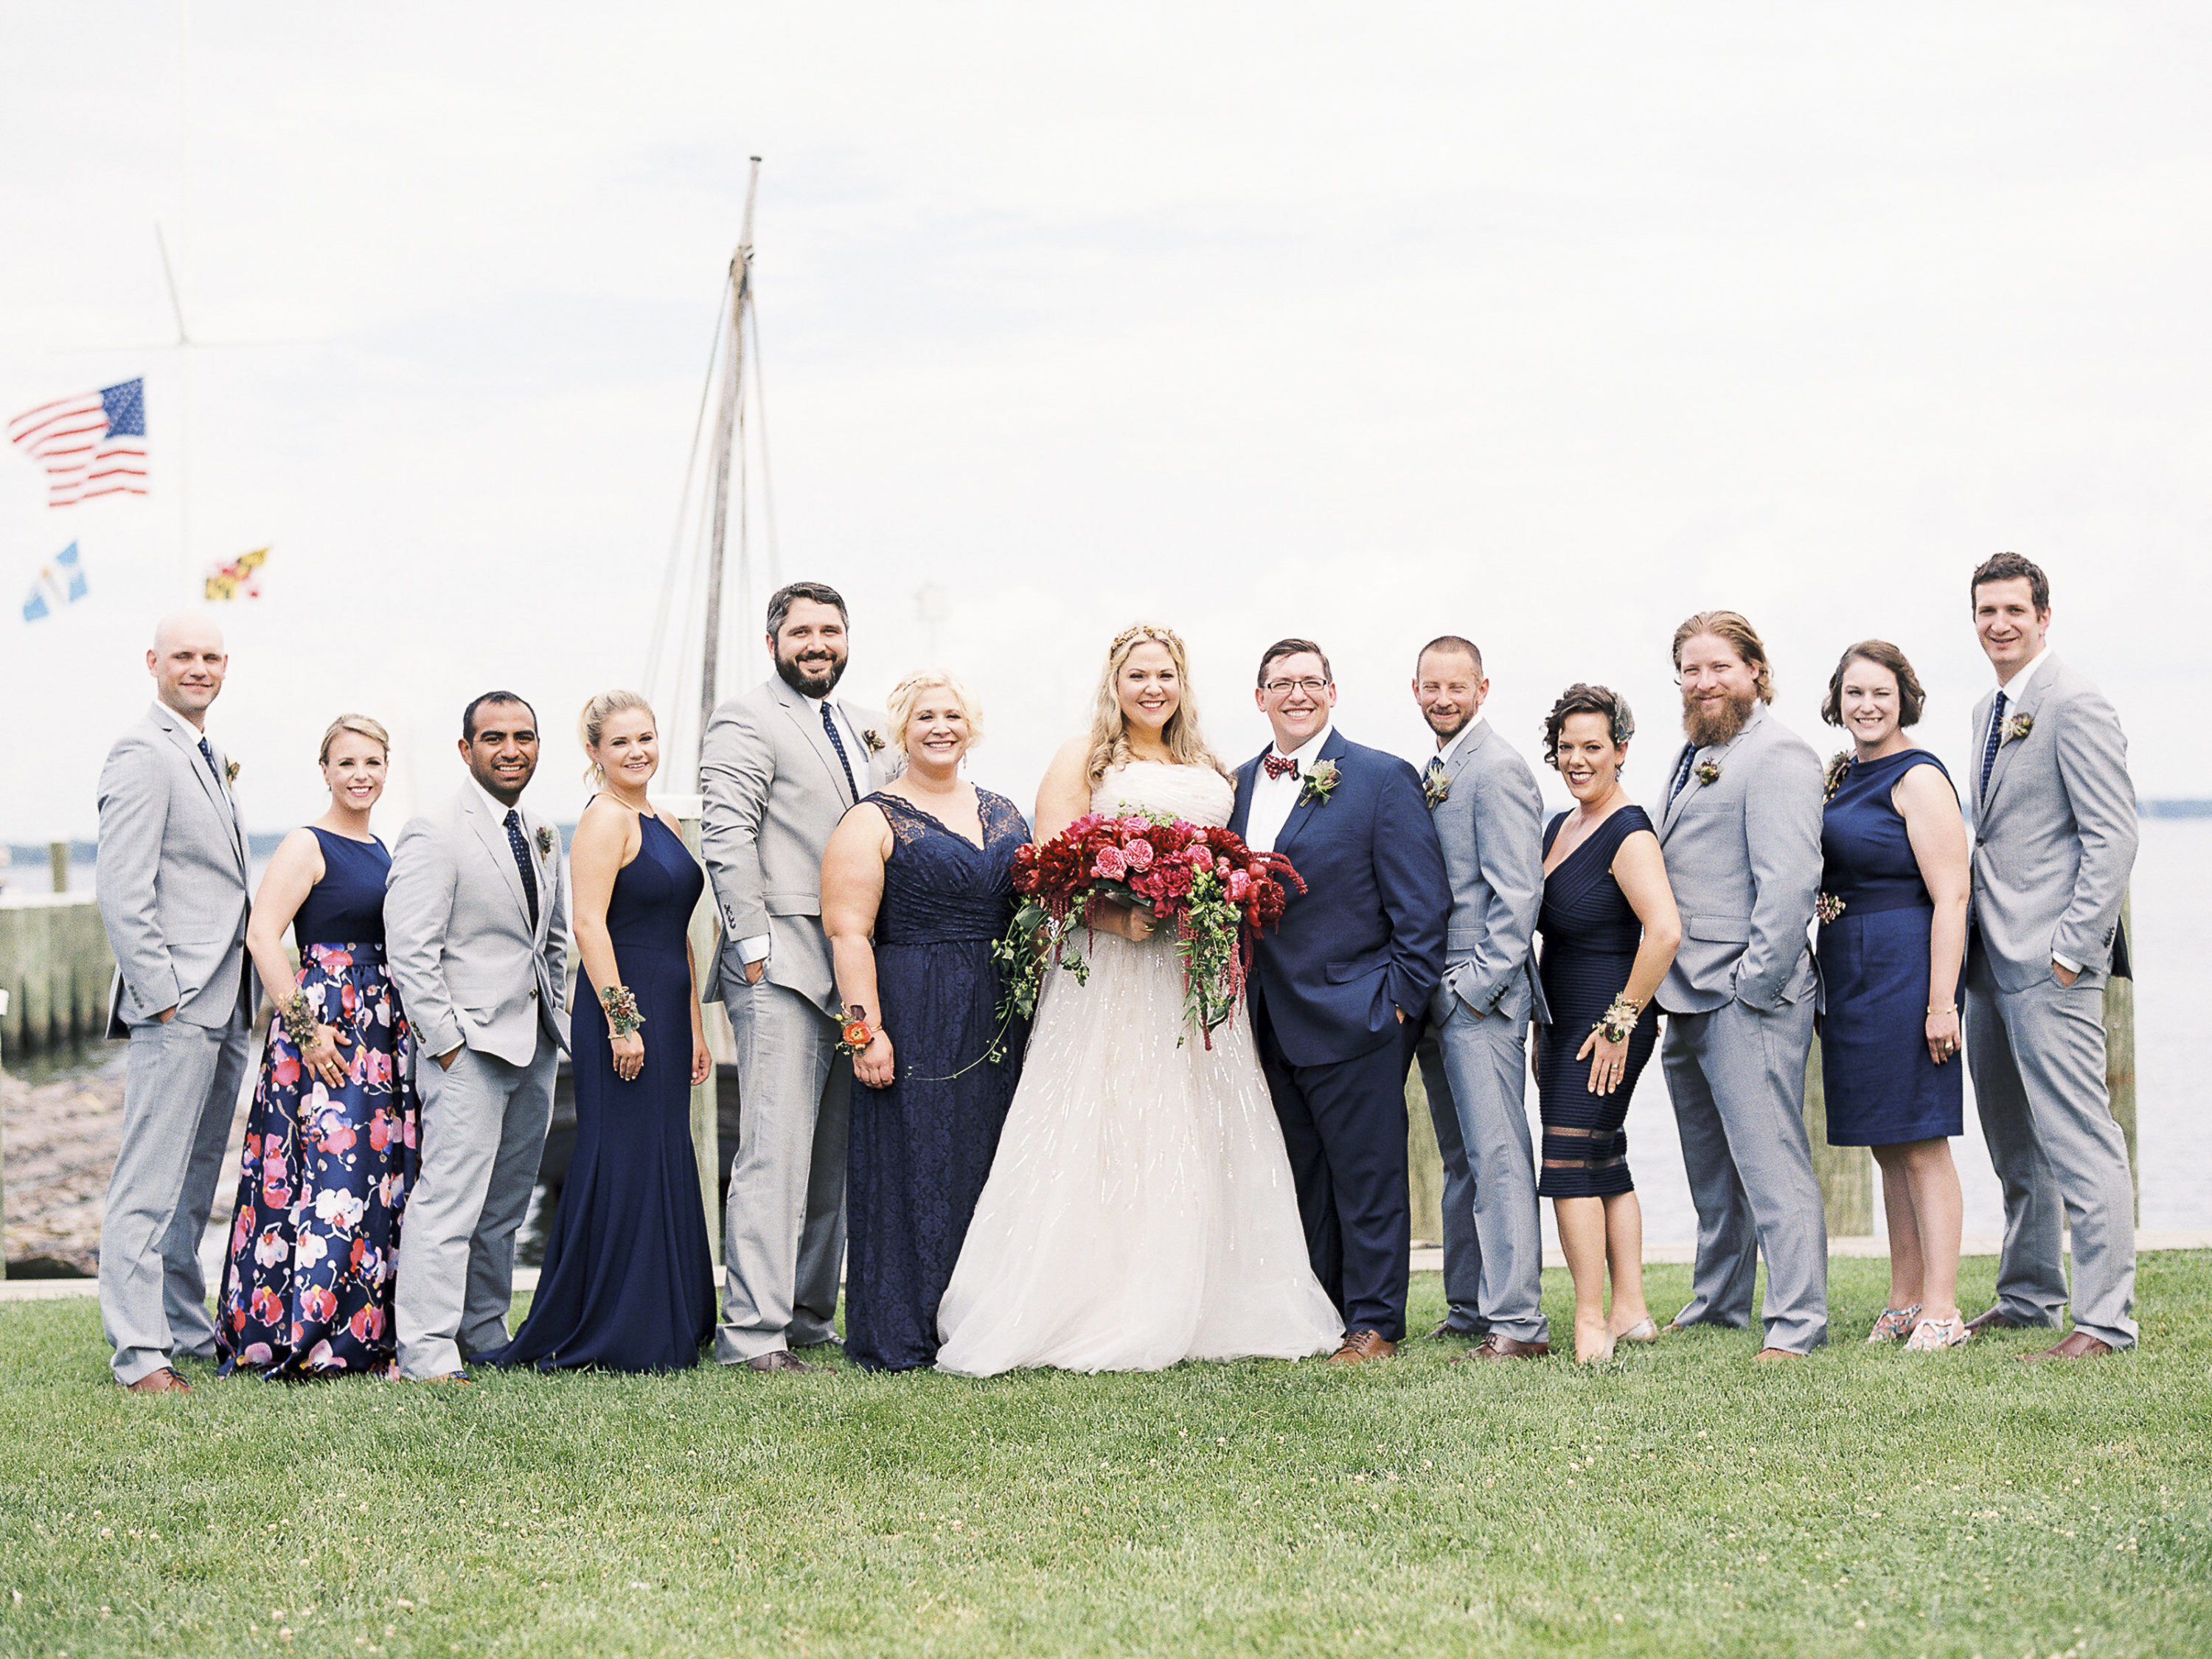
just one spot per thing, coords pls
(1883, 1087)
(919, 1151)
(627, 1284)
(323, 1175)
(1590, 936)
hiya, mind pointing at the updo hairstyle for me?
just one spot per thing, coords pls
(360, 725)
(1582, 698)
(1911, 698)
(900, 706)
(593, 722)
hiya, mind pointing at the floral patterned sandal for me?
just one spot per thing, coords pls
(1895, 1323)
(1931, 1334)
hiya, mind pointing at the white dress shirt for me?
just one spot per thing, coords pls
(755, 948)
(1448, 750)
(1273, 798)
(2013, 693)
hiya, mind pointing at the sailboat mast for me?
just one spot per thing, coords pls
(726, 439)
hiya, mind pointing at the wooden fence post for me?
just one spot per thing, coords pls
(58, 860)
(1845, 1173)
(1424, 1164)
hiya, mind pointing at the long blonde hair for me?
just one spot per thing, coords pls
(593, 722)
(1109, 727)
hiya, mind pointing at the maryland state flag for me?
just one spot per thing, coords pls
(240, 579)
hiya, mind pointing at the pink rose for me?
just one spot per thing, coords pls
(1111, 866)
(1240, 887)
(1138, 854)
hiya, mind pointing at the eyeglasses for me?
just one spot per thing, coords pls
(1284, 688)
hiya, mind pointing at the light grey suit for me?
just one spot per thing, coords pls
(474, 973)
(2054, 843)
(173, 897)
(773, 790)
(1473, 1052)
(1743, 857)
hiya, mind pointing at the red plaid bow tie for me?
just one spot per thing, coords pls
(1277, 765)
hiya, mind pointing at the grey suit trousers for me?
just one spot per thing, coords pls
(1736, 1076)
(180, 1089)
(2038, 1057)
(783, 1234)
(484, 1134)
(1474, 1071)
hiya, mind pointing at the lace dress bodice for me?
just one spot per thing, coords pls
(1196, 794)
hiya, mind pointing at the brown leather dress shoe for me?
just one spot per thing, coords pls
(1772, 1355)
(165, 1381)
(2079, 1345)
(1363, 1345)
(779, 1359)
(1997, 1319)
(1499, 1346)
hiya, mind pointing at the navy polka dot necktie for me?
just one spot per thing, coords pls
(838, 744)
(207, 754)
(1682, 773)
(522, 862)
(1995, 742)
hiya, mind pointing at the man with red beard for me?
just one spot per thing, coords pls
(1742, 834)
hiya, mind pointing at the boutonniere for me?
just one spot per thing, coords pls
(869, 737)
(1827, 906)
(544, 840)
(2018, 728)
(230, 772)
(1833, 780)
(1435, 789)
(1318, 782)
(1707, 774)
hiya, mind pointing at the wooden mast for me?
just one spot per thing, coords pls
(727, 437)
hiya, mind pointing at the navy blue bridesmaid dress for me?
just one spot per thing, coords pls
(1883, 1087)
(323, 1175)
(1591, 935)
(627, 1284)
(919, 1149)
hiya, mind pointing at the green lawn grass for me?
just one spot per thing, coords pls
(1679, 1500)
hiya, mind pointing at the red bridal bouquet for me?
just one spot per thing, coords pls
(1217, 891)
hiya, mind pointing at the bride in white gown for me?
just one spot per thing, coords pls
(1139, 1210)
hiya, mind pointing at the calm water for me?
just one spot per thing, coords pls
(2172, 944)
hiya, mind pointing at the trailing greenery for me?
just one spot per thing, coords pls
(1679, 1500)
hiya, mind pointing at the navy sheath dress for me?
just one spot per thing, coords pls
(1883, 1087)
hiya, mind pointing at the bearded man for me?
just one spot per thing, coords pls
(1742, 834)
(778, 767)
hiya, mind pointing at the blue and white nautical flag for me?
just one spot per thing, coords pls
(61, 582)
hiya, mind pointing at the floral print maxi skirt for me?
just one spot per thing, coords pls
(323, 1184)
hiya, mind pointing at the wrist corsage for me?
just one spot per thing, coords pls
(1827, 906)
(1838, 767)
(1619, 1019)
(856, 1034)
(621, 1004)
(299, 1014)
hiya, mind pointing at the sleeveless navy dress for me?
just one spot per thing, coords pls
(627, 1284)
(324, 1173)
(1591, 934)
(1883, 1087)
(919, 1150)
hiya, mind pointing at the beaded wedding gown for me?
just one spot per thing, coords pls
(1139, 1210)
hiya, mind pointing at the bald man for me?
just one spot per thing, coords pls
(173, 899)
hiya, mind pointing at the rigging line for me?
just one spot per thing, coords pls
(744, 493)
(684, 497)
(767, 482)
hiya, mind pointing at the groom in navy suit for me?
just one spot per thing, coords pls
(1337, 989)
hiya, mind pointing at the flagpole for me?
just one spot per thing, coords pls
(184, 414)
(727, 435)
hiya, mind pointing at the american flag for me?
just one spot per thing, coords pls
(93, 445)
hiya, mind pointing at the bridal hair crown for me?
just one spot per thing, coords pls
(1166, 636)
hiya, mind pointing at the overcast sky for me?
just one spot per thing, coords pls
(1548, 326)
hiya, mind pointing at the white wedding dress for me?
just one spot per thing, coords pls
(1139, 1210)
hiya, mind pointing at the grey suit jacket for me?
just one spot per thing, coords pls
(2055, 835)
(773, 792)
(173, 893)
(472, 971)
(1744, 856)
(1490, 822)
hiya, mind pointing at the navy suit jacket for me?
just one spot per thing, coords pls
(1367, 936)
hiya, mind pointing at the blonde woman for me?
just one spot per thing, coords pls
(917, 884)
(1140, 1210)
(330, 1139)
(627, 1284)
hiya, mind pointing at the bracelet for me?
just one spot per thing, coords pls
(1619, 1019)
(299, 1017)
(621, 1004)
(856, 1034)
(1953, 1009)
